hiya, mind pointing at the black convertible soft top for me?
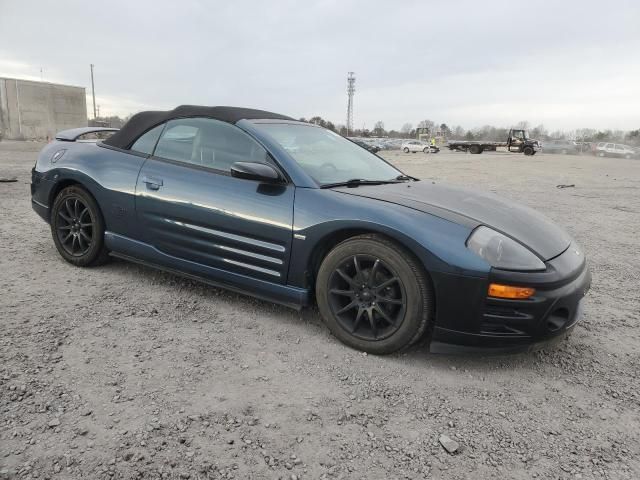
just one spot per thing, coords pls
(144, 121)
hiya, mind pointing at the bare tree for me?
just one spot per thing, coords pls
(378, 128)
(427, 124)
(539, 132)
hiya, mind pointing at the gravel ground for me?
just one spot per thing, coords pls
(125, 372)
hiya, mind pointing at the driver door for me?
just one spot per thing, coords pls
(516, 141)
(189, 206)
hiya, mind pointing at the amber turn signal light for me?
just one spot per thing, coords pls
(507, 291)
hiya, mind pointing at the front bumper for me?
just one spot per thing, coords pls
(40, 190)
(505, 325)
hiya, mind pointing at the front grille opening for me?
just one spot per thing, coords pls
(495, 328)
(499, 312)
(557, 319)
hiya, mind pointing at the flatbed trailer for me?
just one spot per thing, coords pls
(517, 142)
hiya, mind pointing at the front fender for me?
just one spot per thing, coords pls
(320, 214)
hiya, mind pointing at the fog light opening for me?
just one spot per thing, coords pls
(557, 319)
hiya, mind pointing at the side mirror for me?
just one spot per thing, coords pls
(260, 172)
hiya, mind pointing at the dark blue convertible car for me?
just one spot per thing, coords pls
(287, 211)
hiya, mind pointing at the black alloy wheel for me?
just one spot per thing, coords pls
(77, 227)
(374, 295)
(367, 297)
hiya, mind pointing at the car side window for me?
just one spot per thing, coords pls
(208, 143)
(147, 141)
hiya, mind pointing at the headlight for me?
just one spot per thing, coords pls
(502, 252)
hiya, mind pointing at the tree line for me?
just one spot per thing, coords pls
(456, 132)
(486, 132)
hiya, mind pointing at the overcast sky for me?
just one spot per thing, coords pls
(566, 64)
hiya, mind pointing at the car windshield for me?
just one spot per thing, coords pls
(328, 157)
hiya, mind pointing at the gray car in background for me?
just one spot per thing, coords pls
(560, 146)
(608, 149)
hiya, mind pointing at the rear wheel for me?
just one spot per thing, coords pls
(475, 149)
(77, 228)
(426, 150)
(373, 295)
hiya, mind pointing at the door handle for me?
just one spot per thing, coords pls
(152, 183)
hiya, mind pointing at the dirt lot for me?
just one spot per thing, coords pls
(125, 372)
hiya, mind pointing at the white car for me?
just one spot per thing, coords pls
(604, 149)
(416, 146)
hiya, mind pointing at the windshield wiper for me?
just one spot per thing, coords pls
(354, 182)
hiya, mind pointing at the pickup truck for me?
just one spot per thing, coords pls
(518, 141)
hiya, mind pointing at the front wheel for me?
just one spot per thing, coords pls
(475, 149)
(77, 228)
(426, 150)
(406, 150)
(528, 151)
(374, 295)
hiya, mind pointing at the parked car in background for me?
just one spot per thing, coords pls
(560, 146)
(367, 146)
(607, 149)
(414, 146)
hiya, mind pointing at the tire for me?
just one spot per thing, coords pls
(377, 309)
(475, 149)
(77, 227)
(406, 149)
(426, 150)
(528, 151)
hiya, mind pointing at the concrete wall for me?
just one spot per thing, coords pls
(38, 110)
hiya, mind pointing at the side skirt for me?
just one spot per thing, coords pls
(145, 254)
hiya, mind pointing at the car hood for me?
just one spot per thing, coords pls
(473, 208)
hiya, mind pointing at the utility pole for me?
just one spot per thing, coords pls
(93, 92)
(351, 90)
